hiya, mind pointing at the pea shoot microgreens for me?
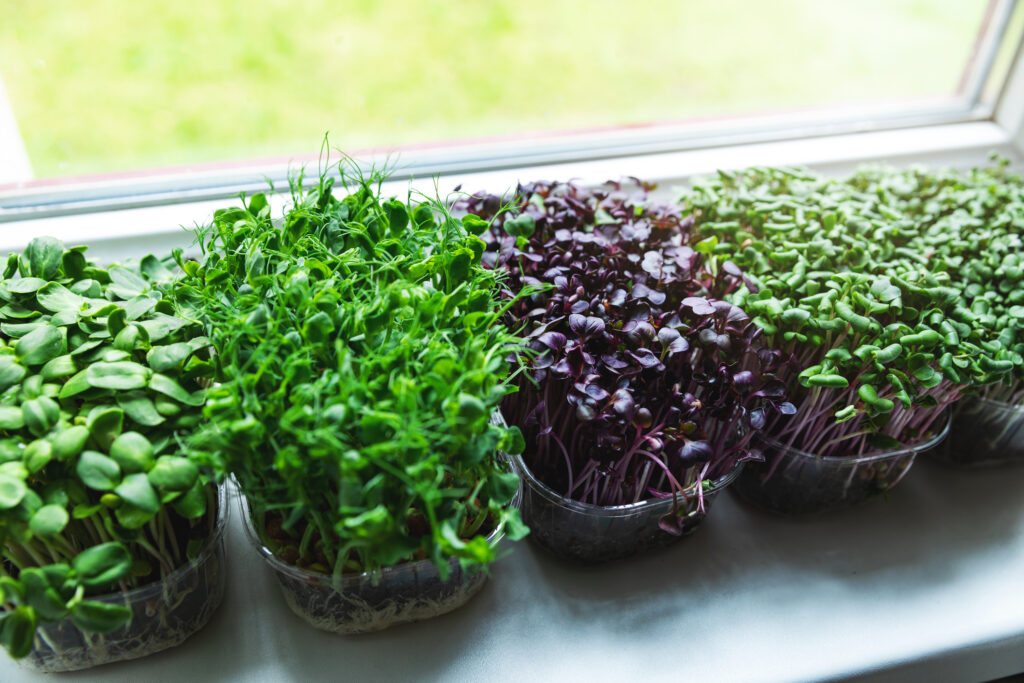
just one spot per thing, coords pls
(100, 383)
(359, 362)
(643, 384)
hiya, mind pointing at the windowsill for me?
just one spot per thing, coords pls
(922, 585)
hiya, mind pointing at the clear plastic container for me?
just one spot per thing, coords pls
(804, 483)
(596, 533)
(985, 433)
(164, 614)
(405, 593)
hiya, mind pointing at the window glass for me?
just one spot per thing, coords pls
(111, 86)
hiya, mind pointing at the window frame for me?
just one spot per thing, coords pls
(122, 214)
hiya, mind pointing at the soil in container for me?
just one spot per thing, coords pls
(361, 603)
(164, 613)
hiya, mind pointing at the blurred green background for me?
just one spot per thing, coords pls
(108, 85)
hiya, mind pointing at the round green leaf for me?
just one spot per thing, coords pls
(102, 565)
(40, 414)
(99, 617)
(121, 375)
(37, 455)
(61, 366)
(136, 489)
(140, 410)
(17, 630)
(105, 425)
(56, 297)
(70, 442)
(173, 473)
(26, 285)
(169, 357)
(132, 517)
(192, 504)
(42, 257)
(168, 387)
(97, 471)
(133, 452)
(12, 490)
(49, 520)
(10, 372)
(40, 346)
(11, 418)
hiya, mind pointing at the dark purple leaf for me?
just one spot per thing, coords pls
(553, 340)
(656, 297)
(639, 331)
(622, 403)
(695, 452)
(646, 358)
(614, 362)
(643, 418)
(543, 361)
(698, 305)
(640, 291)
(672, 341)
(653, 263)
(562, 367)
(592, 326)
(732, 269)
(744, 380)
(580, 306)
(585, 412)
(772, 389)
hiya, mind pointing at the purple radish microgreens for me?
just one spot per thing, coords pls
(641, 384)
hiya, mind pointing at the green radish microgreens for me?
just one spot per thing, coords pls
(100, 383)
(359, 363)
(972, 227)
(878, 338)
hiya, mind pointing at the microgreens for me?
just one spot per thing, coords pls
(641, 384)
(100, 383)
(849, 283)
(359, 366)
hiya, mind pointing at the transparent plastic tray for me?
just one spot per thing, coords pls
(804, 483)
(357, 603)
(595, 533)
(164, 614)
(985, 433)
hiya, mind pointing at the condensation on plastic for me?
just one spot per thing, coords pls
(985, 433)
(362, 603)
(804, 483)
(164, 614)
(594, 533)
